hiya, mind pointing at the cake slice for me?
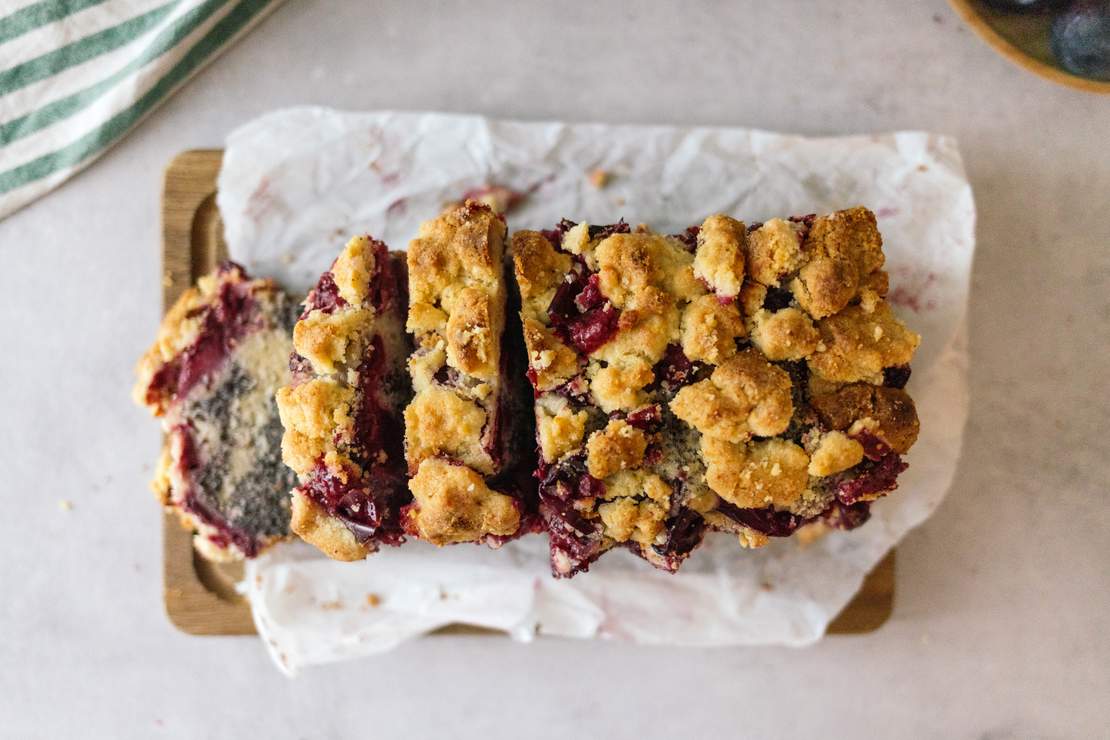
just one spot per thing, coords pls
(466, 450)
(342, 408)
(210, 376)
(740, 379)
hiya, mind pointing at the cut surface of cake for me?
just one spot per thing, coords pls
(743, 379)
(342, 408)
(220, 355)
(467, 451)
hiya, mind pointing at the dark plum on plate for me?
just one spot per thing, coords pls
(1081, 39)
(1022, 6)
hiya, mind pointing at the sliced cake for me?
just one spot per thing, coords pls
(467, 451)
(342, 408)
(210, 376)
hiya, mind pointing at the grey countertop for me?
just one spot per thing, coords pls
(1001, 621)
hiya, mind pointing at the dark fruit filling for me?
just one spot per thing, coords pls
(324, 297)
(806, 221)
(224, 322)
(870, 478)
(842, 516)
(676, 370)
(689, 238)
(580, 314)
(684, 533)
(571, 535)
(767, 521)
(777, 299)
(361, 504)
(575, 536)
(648, 418)
(897, 376)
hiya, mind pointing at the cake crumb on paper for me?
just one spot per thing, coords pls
(65, 505)
(599, 178)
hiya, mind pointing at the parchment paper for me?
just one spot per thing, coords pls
(297, 183)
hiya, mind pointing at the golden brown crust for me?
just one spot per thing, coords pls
(835, 452)
(457, 311)
(618, 386)
(619, 446)
(786, 334)
(451, 504)
(842, 250)
(552, 361)
(312, 523)
(317, 416)
(710, 330)
(719, 260)
(756, 475)
(857, 345)
(440, 422)
(560, 428)
(746, 395)
(774, 251)
(891, 410)
(539, 270)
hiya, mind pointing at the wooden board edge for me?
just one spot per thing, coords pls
(199, 608)
(193, 603)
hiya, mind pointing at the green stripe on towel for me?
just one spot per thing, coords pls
(63, 108)
(90, 47)
(41, 13)
(107, 133)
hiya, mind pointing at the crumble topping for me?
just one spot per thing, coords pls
(618, 386)
(746, 395)
(710, 330)
(560, 429)
(707, 380)
(317, 527)
(856, 345)
(552, 362)
(719, 259)
(835, 452)
(455, 271)
(787, 334)
(628, 519)
(451, 503)
(889, 412)
(440, 422)
(616, 447)
(774, 251)
(755, 475)
(317, 416)
(539, 271)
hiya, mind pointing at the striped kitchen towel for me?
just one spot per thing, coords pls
(77, 75)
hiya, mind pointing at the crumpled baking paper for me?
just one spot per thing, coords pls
(297, 183)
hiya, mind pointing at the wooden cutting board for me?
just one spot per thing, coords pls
(200, 596)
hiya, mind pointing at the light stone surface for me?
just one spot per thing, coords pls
(1003, 607)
